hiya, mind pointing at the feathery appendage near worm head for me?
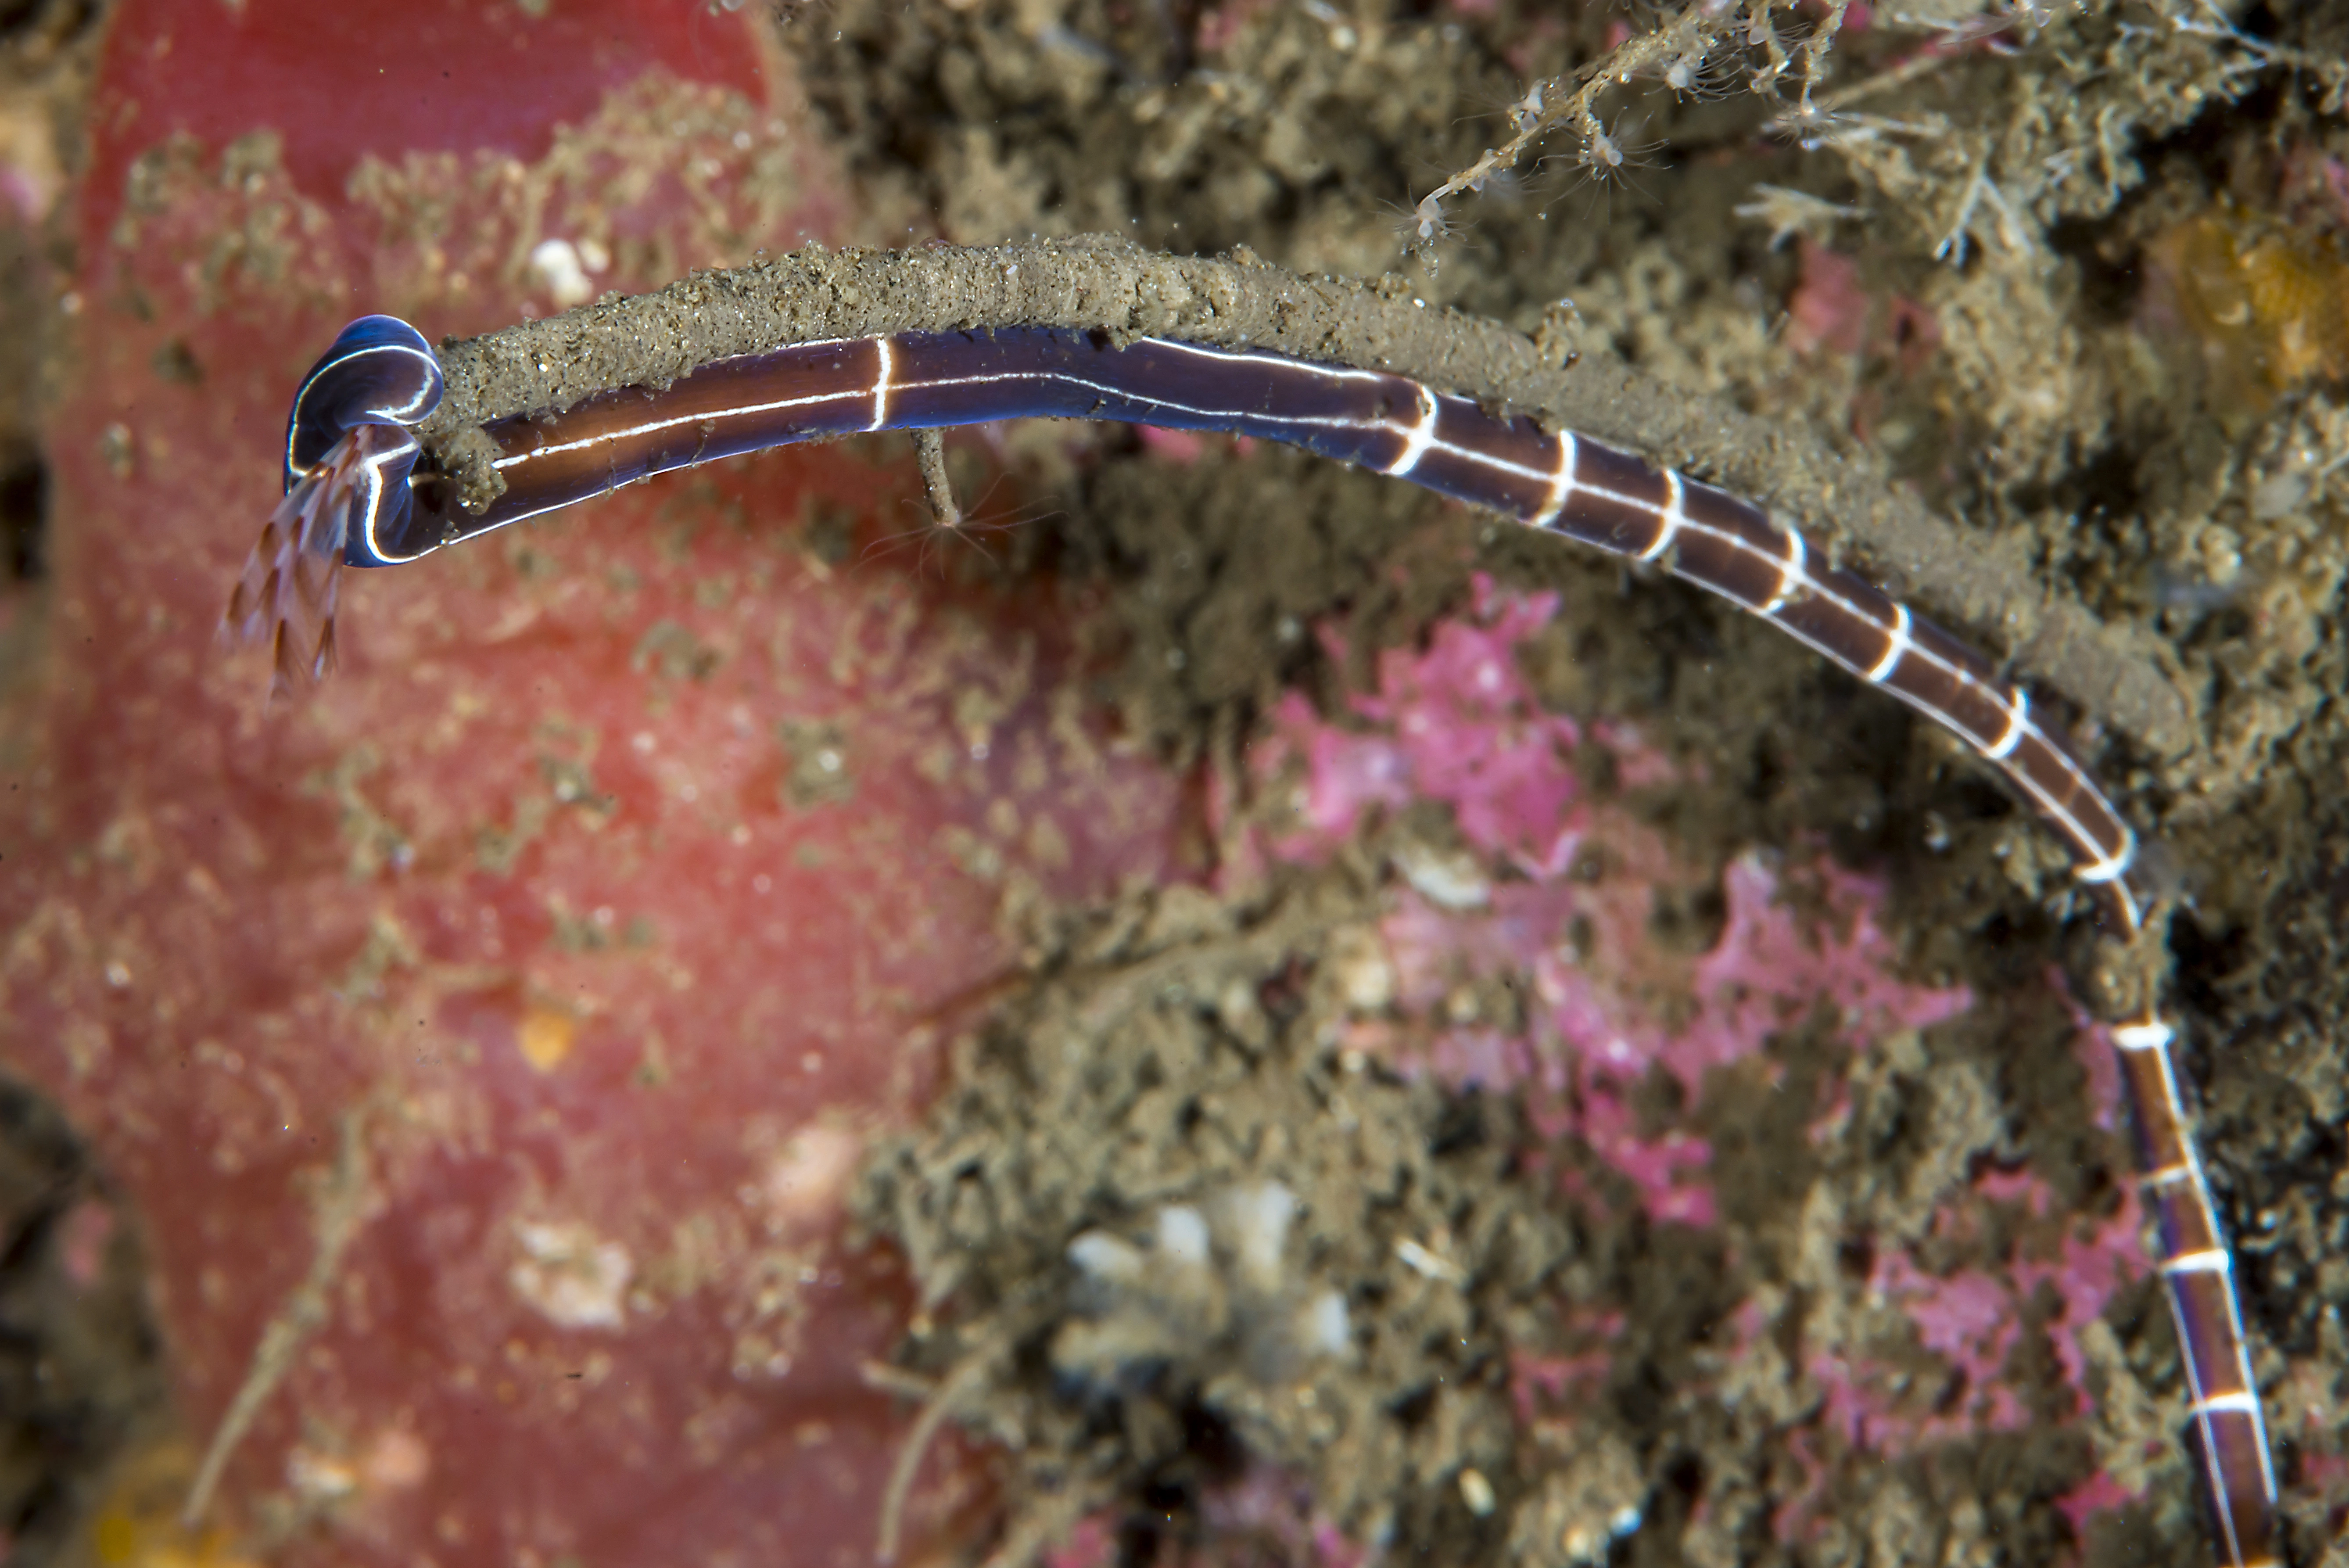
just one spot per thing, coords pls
(350, 448)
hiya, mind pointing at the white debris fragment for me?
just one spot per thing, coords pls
(1448, 879)
(571, 1276)
(1105, 1258)
(1358, 962)
(1422, 1260)
(806, 1182)
(1183, 1236)
(1256, 1220)
(1326, 1330)
(556, 265)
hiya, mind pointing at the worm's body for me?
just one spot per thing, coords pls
(357, 493)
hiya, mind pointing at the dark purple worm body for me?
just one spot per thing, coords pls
(364, 502)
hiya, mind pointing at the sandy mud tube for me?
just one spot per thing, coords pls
(1222, 1007)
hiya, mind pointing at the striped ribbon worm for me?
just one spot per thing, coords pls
(359, 493)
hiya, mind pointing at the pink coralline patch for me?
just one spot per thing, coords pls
(1832, 312)
(1539, 1383)
(2092, 1048)
(1667, 1169)
(1639, 765)
(2020, 1187)
(1766, 972)
(2100, 1493)
(1971, 1319)
(1477, 1056)
(1769, 963)
(1433, 948)
(1828, 310)
(1456, 722)
(1597, 1031)
(2086, 1275)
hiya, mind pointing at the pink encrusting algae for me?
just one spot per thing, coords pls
(1606, 1008)
(1459, 724)
(1460, 727)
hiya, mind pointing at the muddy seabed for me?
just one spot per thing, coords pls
(1173, 1054)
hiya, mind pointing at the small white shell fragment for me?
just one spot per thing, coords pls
(574, 1278)
(1182, 1235)
(555, 265)
(1325, 1329)
(1449, 880)
(1358, 962)
(1105, 1258)
(1434, 1266)
(1258, 1219)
